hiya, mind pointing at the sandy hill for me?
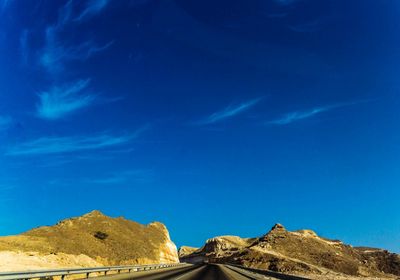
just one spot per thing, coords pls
(299, 252)
(96, 239)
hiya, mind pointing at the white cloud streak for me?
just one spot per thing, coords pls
(297, 116)
(92, 8)
(69, 14)
(306, 114)
(229, 112)
(61, 101)
(56, 53)
(62, 145)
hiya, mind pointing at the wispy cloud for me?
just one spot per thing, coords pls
(61, 145)
(92, 8)
(69, 13)
(306, 114)
(5, 122)
(299, 115)
(61, 101)
(229, 112)
(57, 51)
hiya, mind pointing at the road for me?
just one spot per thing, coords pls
(197, 272)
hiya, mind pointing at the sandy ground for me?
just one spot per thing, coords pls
(17, 261)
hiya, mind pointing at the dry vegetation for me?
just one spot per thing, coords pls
(104, 240)
(301, 252)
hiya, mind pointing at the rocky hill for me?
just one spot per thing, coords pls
(186, 250)
(93, 239)
(298, 252)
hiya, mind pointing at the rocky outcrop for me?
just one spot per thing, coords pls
(226, 243)
(299, 252)
(167, 249)
(105, 240)
(186, 250)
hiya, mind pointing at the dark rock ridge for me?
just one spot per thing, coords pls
(298, 252)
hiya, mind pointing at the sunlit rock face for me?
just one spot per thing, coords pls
(298, 252)
(167, 249)
(105, 240)
(186, 250)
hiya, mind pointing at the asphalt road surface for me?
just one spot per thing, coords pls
(197, 272)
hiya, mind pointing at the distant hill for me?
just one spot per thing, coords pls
(298, 252)
(104, 240)
(186, 250)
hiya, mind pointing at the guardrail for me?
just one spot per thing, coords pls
(73, 271)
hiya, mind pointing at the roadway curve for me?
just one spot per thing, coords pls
(197, 272)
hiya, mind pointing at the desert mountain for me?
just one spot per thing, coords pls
(297, 252)
(186, 250)
(97, 239)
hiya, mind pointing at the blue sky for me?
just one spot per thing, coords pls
(214, 117)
